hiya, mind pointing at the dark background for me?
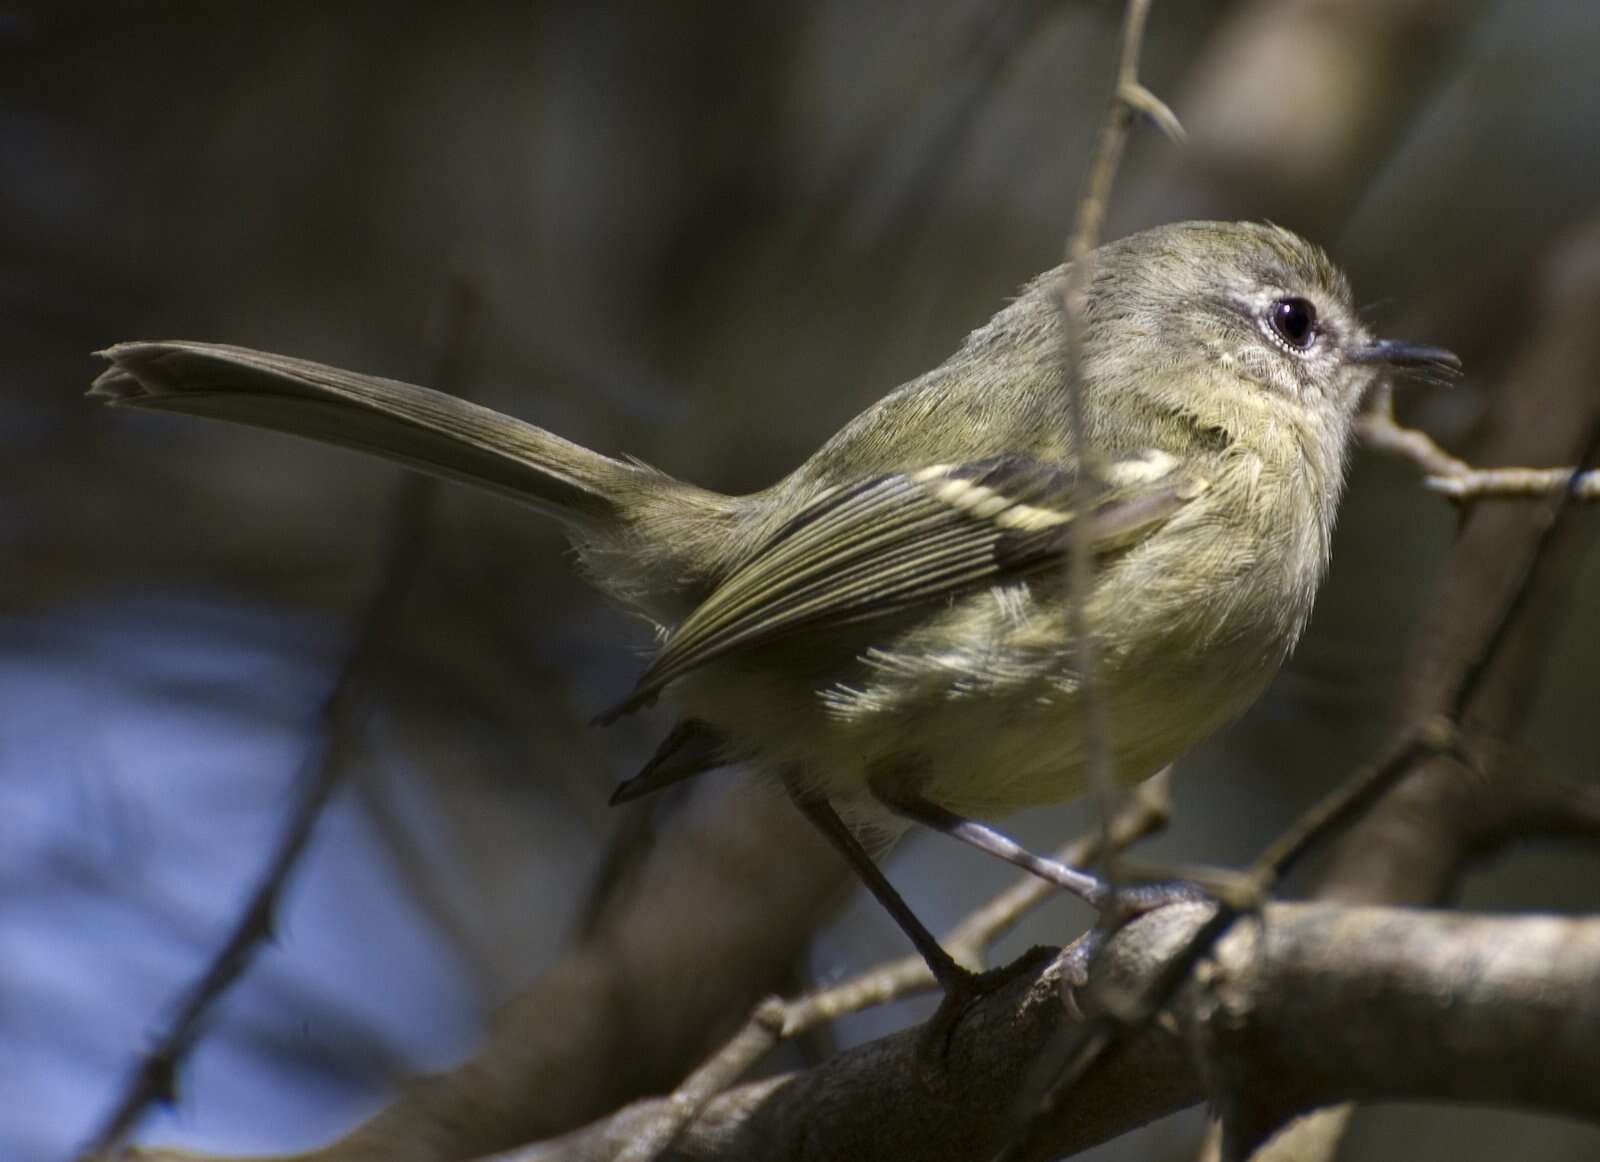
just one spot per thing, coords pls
(705, 235)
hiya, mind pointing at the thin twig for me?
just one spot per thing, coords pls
(1458, 479)
(1380, 430)
(1129, 98)
(746, 1047)
(1516, 483)
(154, 1078)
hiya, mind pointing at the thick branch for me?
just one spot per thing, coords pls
(1325, 1003)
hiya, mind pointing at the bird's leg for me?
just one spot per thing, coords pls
(816, 808)
(1089, 888)
(961, 986)
(1116, 905)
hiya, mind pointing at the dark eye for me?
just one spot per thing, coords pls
(1295, 322)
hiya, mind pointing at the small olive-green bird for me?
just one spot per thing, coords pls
(886, 628)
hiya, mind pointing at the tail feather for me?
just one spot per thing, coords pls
(417, 426)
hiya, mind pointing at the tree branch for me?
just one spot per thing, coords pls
(1457, 479)
(1320, 1003)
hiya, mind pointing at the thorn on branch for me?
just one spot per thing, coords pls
(1142, 100)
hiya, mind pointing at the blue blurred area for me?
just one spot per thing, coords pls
(149, 747)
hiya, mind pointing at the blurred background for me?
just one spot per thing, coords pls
(705, 235)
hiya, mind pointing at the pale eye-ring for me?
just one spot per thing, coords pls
(1294, 322)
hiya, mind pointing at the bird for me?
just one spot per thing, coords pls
(886, 630)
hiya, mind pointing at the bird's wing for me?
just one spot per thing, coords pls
(900, 540)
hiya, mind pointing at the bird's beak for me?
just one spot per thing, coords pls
(1409, 356)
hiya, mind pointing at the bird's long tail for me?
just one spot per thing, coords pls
(417, 426)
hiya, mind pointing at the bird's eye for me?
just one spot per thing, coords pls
(1294, 322)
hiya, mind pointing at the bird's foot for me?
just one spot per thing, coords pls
(963, 989)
